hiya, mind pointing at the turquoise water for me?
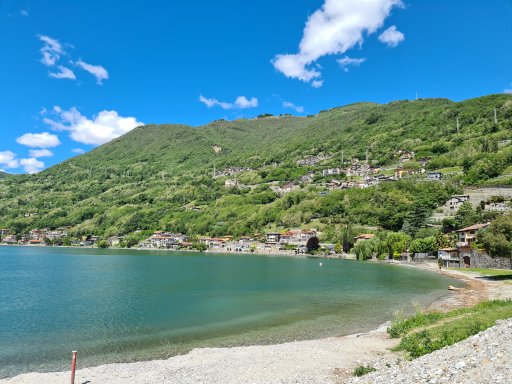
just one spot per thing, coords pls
(115, 306)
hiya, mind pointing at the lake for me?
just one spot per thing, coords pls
(123, 305)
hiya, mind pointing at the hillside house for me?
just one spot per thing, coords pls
(497, 207)
(313, 160)
(454, 203)
(434, 176)
(449, 257)
(285, 188)
(401, 172)
(37, 234)
(331, 171)
(9, 239)
(4, 232)
(406, 156)
(467, 235)
(273, 238)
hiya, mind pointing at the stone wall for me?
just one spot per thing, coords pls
(482, 260)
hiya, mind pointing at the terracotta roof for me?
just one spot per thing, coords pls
(473, 227)
(365, 236)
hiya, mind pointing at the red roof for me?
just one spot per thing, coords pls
(474, 227)
(365, 236)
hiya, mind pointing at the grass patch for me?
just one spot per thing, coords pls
(490, 274)
(446, 328)
(363, 370)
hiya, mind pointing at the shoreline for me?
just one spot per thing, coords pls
(326, 360)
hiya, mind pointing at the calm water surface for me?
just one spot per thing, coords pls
(123, 305)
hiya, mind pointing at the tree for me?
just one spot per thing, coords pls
(497, 237)
(338, 248)
(313, 244)
(365, 249)
(465, 216)
(102, 244)
(425, 245)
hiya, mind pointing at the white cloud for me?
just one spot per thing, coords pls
(24, 12)
(96, 70)
(39, 140)
(241, 102)
(64, 73)
(508, 91)
(296, 108)
(8, 159)
(51, 50)
(40, 153)
(78, 150)
(32, 165)
(348, 61)
(391, 36)
(333, 29)
(106, 126)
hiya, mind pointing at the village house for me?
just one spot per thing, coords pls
(232, 171)
(285, 188)
(331, 171)
(37, 234)
(9, 239)
(299, 236)
(449, 257)
(406, 156)
(467, 235)
(164, 240)
(434, 176)
(497, 207)
(401, 172)
(272, 238)
(215, 242)
(114, 241)
(56, 235)
(313, 160)
(357, 170)
(4, 232)
(454, 203)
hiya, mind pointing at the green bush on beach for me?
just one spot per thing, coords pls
(435, 330)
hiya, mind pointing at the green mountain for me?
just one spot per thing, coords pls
(3, 174)
(161, 176)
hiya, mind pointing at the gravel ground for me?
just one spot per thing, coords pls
(309, 362)
(482, 359)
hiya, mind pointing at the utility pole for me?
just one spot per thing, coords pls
(495, 117)
(458, 125)
(342, 160)
(366, 156)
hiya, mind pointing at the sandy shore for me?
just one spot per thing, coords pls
(330, 360)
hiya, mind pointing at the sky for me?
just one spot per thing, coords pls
(76, 74)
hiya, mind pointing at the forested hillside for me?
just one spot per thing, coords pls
(161, 176)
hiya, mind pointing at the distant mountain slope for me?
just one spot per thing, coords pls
(3, 174)
(160, 176)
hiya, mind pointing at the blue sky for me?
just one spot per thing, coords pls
(74, 74)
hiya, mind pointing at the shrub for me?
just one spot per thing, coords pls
(363, 370)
